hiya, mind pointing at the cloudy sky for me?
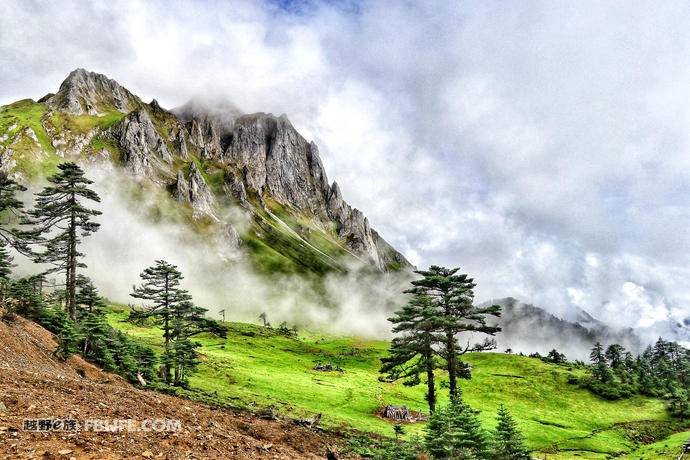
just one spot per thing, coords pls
(544, 147)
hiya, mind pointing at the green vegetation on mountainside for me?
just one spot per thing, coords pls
(283, 241)
(18, 122)
(258, 367)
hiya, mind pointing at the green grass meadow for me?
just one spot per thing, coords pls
(255, 367)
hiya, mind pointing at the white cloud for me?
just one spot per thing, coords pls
(542, 146)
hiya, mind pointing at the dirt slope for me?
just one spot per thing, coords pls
(34, 385)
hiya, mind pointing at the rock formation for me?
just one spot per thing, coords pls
(90, 93)
(254, 157)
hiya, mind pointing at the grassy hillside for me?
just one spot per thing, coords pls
(256, 367)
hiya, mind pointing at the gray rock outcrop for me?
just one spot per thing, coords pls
(275, 158)
(144, 151)
(200, 194)
(194, 191)
(90, 93)
(259, 155)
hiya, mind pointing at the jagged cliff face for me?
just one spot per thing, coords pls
(257, 161)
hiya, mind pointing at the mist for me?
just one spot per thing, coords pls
(219, 277)
(543, 148)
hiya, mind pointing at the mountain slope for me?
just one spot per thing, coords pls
(35, 385)
(257, 366)
(208, 160)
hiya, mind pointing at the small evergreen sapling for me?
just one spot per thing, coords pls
(455, 433)
(508, 441)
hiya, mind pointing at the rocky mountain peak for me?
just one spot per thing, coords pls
(84, 92)
(245, 157)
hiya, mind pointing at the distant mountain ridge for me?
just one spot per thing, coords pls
(205, 159)
(527, 328)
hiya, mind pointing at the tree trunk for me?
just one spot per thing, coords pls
(72, 263)
(431, 386)
(451, 360)
(166, 329)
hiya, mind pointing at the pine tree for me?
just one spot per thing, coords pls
(508, 441)
(185, 359)
(24, 298)
(452, 295)
(556, 357)
(161, 286)
(615, 354)
(601, 369)
(187, 321)
(455, 432)
(679, 404)
(173, 310)
(412, 351)
(93, 325)
(10, 208)
(60, 221)
(6, 266)
(9, 204)
(97, 342)
(68, 339)
(87, 297)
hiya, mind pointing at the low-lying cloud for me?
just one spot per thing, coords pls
(542, 146)
(221, 277)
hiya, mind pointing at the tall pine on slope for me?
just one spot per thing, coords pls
(161, 286)
(412, 351)
(10, 208)
(9, 204)
(93, 324)
(174, 312)
(60, 220)
(452, 295)
(600, 369)
(188, 320)
(508, 441)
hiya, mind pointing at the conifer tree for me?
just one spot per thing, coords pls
(601, 370)
(10, 208)
(412, 351)
(615, 354)
(93, 325)
(172, 309)
(556, 357)
(10, 204)
(87, 296)
(97, 341)
(455, 432)
(68, 339)
(24, 298)
(187, 321)
(452, 295)
(508, 441)
(161, 286)
(60, 221)
(6, 266)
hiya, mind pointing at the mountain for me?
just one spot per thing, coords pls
(35, 384)
(527, 328)
(208, 159)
